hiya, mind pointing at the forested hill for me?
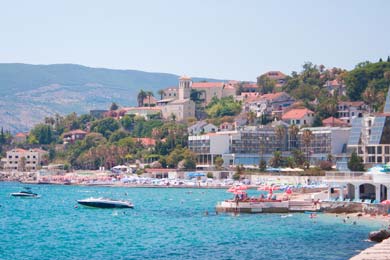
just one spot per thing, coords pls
(28, 93)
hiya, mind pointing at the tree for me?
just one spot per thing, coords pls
(293, 131)
(280, 132)
(276, 160)
(225, 106)
(239, 171)
(218, 162)
(140, 98)
(355, 163)
(299, 157)
(251, 116)
(149, 94)
(307, 137)
(105, 126)
(43, 134)
(113, 106)
(2, 137)
(265, 84)
(369, 96)
(161, 93)
(262, 165)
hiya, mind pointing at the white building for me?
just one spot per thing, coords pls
(202, 127)
(347, 111)
(23, 160)
(359, 187)
(299, 117)
(183, 107)
(325, 141)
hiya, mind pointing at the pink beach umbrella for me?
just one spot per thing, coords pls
(239, 192)
(386, 202)
(242, 187)
(232, 189)
(289, 191)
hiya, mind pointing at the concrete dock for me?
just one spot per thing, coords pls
(380, 251)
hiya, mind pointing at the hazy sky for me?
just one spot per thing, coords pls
(220, 39)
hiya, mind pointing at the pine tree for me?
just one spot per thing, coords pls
(380, 60)
(355, 163)
(388, 58)
(2, 136)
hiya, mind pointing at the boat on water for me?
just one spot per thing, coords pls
(27, 193)
(105, 203)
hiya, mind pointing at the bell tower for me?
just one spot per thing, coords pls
(185, 85)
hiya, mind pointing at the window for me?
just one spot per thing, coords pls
(16, 156)
(379, 159)
(387, 150)
(379, 150)
(10, 157)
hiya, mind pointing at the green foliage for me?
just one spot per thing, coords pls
(366, 74)
(118, 135)
(114, 106)
(143, 128)
(218, 161)
(179, 154)
(276, 160)
(43, 134)
(210, 175)
(127, 122)
(262, 165)
(226, 106)
(105, 126)
(355, 163)
(265, 84)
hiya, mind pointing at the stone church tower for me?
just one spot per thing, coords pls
(185, 85)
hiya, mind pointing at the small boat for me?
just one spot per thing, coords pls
(105, 203)
(27, 193)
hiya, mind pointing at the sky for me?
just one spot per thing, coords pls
(222, 39)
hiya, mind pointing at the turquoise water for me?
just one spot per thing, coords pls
(166, 223)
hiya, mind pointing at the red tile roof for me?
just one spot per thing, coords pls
(352, 103)
(21, 135)
(275, 75)
(75, 132)
(208, 84)
(146, 141)
(297, 113)
(332, 121)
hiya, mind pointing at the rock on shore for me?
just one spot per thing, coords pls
(379, 236)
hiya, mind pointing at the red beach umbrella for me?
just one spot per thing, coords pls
(289, 191)
(386, 202)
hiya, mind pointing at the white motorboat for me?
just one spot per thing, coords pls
(105, 203)
(27, 193)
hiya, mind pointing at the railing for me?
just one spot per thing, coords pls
(338, 176)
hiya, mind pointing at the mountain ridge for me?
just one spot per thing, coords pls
(31, 92)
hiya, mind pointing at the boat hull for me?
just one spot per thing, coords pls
(24, 195)
(104, 205)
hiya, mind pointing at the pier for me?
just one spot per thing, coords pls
(266, 206)
(380, 251)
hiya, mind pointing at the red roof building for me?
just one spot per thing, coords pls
(332, 121)
(299, 116)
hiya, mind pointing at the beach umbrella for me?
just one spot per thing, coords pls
(386, 202)
(242, 187)
(239, 192)
(289, 191)
(232, 189)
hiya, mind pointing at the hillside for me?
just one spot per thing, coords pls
(28, 93)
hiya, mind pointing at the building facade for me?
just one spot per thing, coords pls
(24, 160)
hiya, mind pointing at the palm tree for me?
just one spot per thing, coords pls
(161, 93)
(149, 94)
(251, 117)
(276, 160)
(280, 133)
(369, 96)
(307, 137)
(140, 98)
(293, 131)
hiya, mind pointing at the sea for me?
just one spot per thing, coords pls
(166, 223)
